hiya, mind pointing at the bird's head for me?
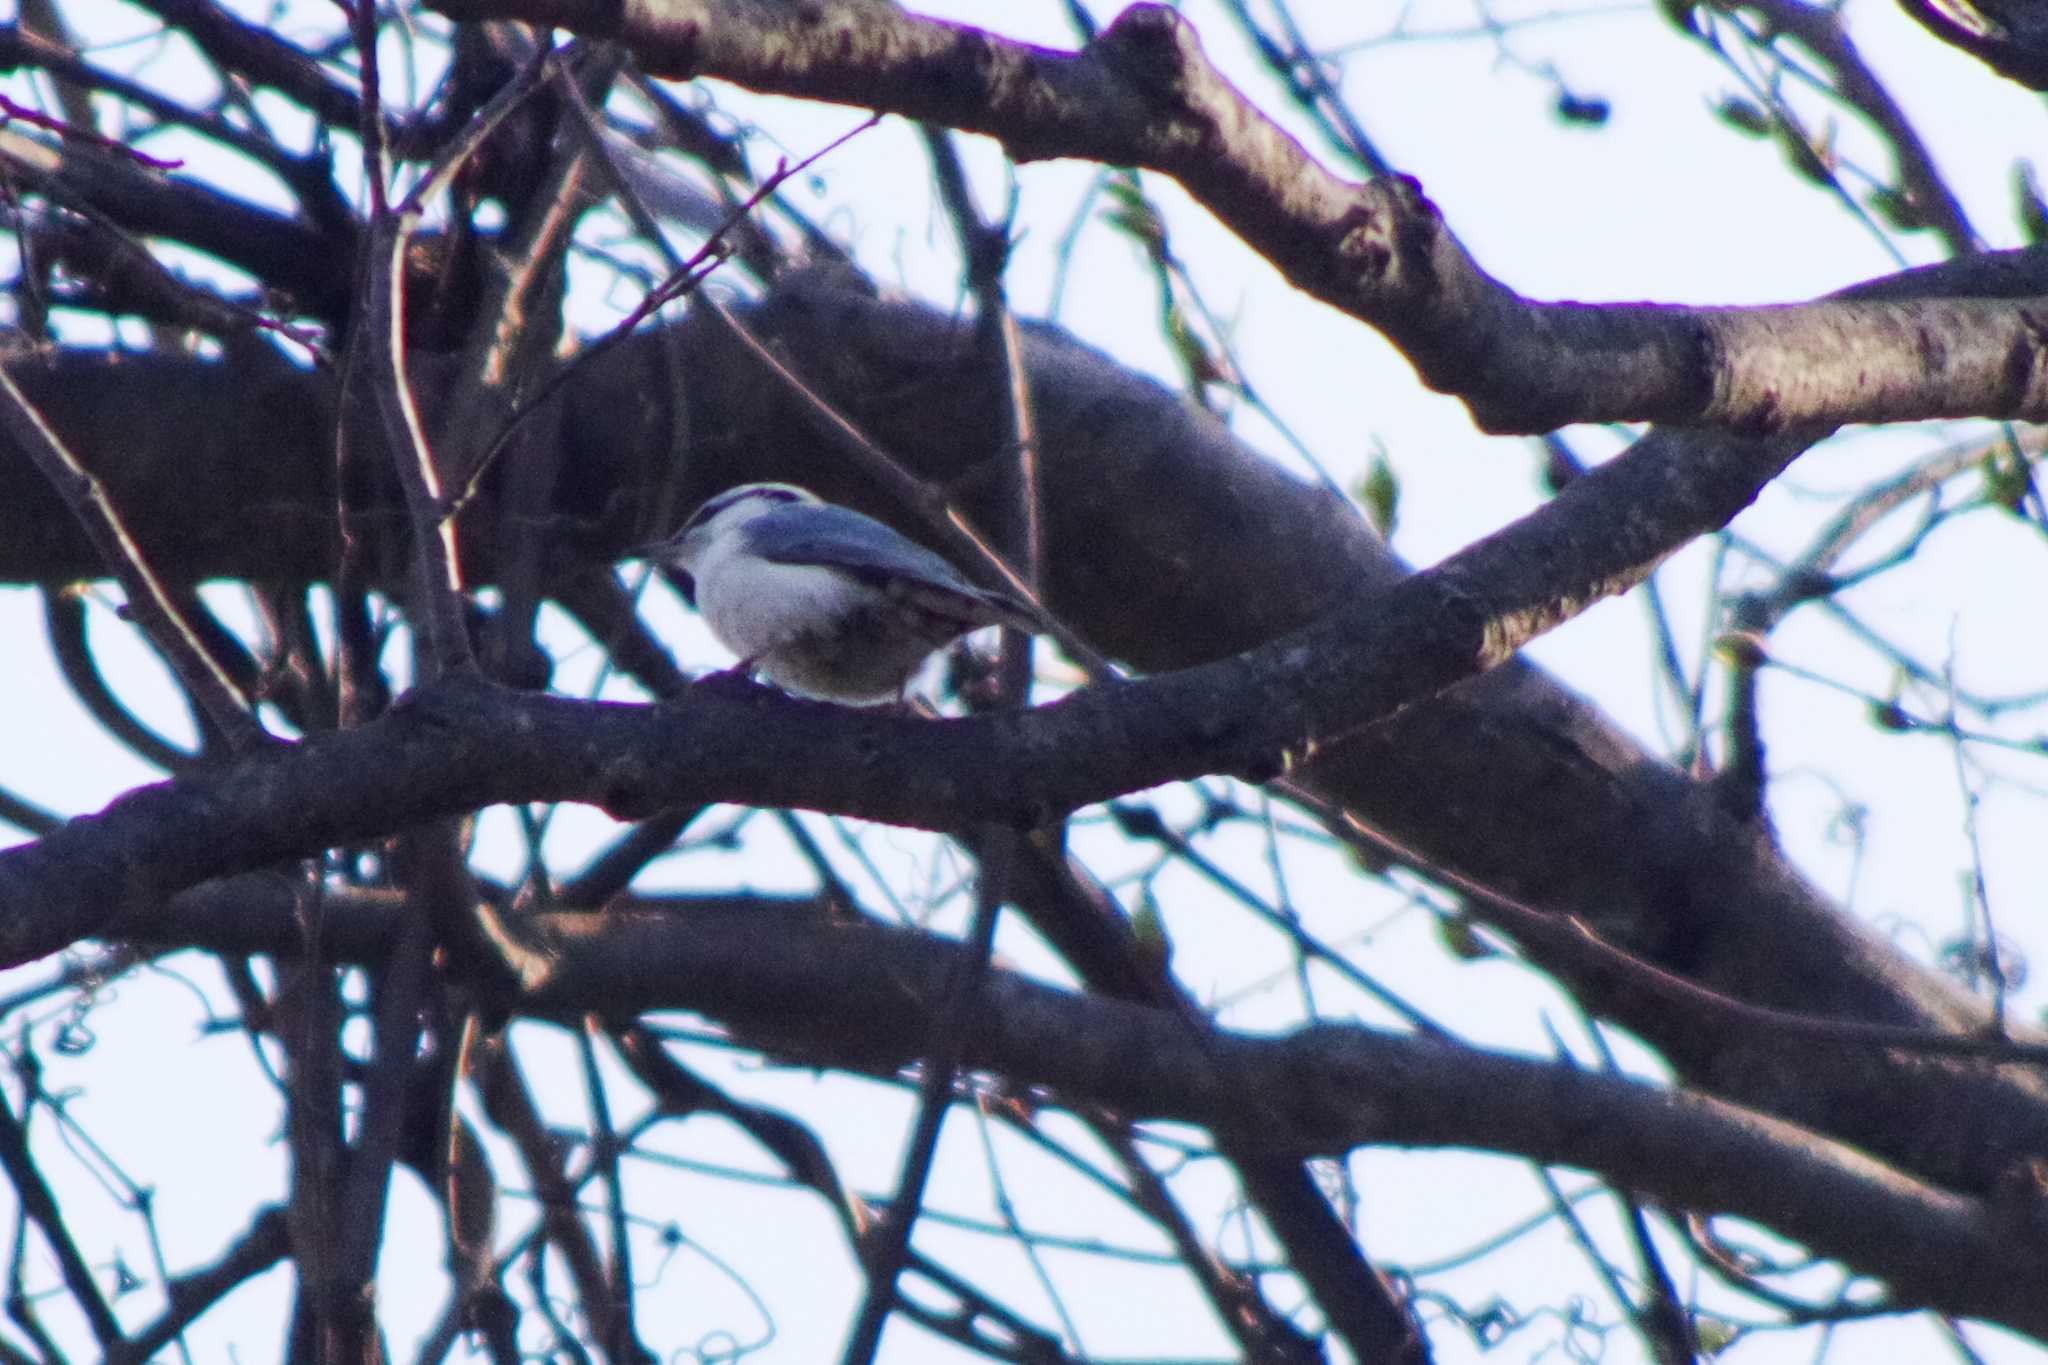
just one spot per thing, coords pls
(720, 516)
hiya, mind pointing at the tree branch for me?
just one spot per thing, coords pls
(196, 668)
(39, 1206)
(461, 744)
(871, 994)
(863, 996)
(1528, 790)
(1142, 93)
(267, 1242)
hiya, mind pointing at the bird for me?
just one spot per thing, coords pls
(822, 600)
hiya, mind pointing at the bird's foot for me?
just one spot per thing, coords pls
(737, 681)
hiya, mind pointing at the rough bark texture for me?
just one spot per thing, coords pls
(1144, 94)
(862, 996)
(1169, 544)
(1277, 640)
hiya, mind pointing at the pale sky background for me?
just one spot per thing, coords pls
(1663, 203)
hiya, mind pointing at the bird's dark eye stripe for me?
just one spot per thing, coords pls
(725, 500)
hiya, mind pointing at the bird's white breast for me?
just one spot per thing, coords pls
(757, 606)
(822, 629)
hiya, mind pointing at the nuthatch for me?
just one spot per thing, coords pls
(823, 601)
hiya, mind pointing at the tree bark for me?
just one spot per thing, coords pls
(1168, 544)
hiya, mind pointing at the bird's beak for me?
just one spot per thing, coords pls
(661, 555)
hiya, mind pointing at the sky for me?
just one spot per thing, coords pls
(1662, 203)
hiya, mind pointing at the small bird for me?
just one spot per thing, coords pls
(823, 601)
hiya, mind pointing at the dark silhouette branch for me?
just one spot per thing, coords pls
(461, 745)
(290, 255)
(1264, 608)
(39, 1206)
(264, 59)
(887, 1250)
(307, 1013)
(1143, 94)
(510, 1104)
(1360, 1304)
(65, 629)
(1324, 1090)
(2009, 36)
(400, 992)
(974, 1318)
(1528, 790)
(607, 1147)
(190, 1296)
(153, 605)
(863, 997)
(309, 176)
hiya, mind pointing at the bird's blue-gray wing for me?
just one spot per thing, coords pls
(845, 539)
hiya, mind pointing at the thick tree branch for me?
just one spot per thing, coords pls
(1701, 892)
(1509, 780)
(286, 253)
(262, 57)
(461, 744)
(1324, 1090)
(864, 996)
(1143, 94)
(2009, 36)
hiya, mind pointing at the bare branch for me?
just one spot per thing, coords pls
(888, 1248)
(1142, 93)
(151, 602)
(39, 1205)
(1323, 1090)
(265, 1244)
(1363, 662)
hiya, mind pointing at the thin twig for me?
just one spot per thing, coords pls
(625, 1344)
(437, 580)
(683, 280)
(267, 1242)
(65, 630)
(985, 248)
(40, 1206)
(951, 1026)
(83, 493)
(1006, 1209)
(1573, 936)
(509, 1103)
(1978, 891)
(436, 564)
(10, 111)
